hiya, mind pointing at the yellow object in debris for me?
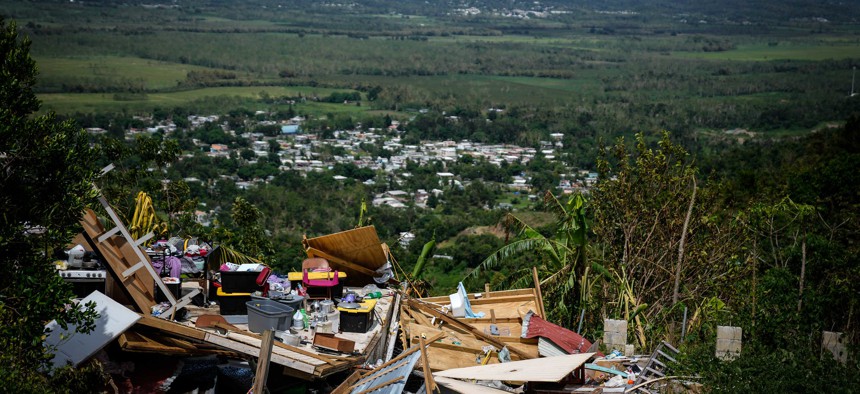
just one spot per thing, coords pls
(144, 220)
(297, 276)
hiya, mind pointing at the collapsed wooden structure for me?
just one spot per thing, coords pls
(426, 326)
(133, 282)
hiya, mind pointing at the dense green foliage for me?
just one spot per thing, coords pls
(46, 184)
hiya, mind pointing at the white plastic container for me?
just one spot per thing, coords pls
(334, 318)
(458, 305)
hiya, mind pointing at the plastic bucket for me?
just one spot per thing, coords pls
(268, 315)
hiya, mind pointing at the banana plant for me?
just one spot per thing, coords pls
(562, 257)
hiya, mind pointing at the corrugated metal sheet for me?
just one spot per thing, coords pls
(399, 370)
(547, 348)
(569, 341)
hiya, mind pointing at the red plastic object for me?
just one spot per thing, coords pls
(262, 280)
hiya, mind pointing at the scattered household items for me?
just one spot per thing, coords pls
(325, 287)
(337, 315)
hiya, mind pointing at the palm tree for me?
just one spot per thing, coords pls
(560, 260)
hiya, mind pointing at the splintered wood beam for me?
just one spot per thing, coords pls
(386, 384)
(429, 384)
(471, 329)
(281, 345)
(539, 294)
(263, 362)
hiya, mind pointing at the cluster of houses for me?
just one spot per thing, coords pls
(298, 151)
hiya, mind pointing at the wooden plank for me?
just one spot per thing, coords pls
(383, 385)
(548, 369)
(133, 269)
(392, 328)
(429, 385)
(344, 387)
(473, 330)
(254, 351)
(230, 327)
(539, 294)
(472, 296)
(497, 300)
(298, 357)
(262, 372)
(173, 328)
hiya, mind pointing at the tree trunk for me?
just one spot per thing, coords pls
(802, 271)
(678, 267)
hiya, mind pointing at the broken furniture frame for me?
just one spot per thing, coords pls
(121, 263)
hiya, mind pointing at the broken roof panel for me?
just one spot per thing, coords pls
(569, 341)
(358, 252)
(548, 369)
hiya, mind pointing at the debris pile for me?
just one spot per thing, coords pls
(339, 324)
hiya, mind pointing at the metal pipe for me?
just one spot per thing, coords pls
(684, 325)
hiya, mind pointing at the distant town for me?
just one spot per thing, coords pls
(302, 152)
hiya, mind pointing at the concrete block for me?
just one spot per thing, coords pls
(615, 325)
(615, 338)
(728, 349)
(629, 350)
(835, 344)
(729, 332)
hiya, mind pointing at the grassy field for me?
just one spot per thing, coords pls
(153, 74)
(214, 98)
(765, 52)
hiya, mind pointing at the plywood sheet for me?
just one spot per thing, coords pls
(359, 246)
(549, 369)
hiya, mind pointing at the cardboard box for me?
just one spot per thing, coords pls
(329, 341)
